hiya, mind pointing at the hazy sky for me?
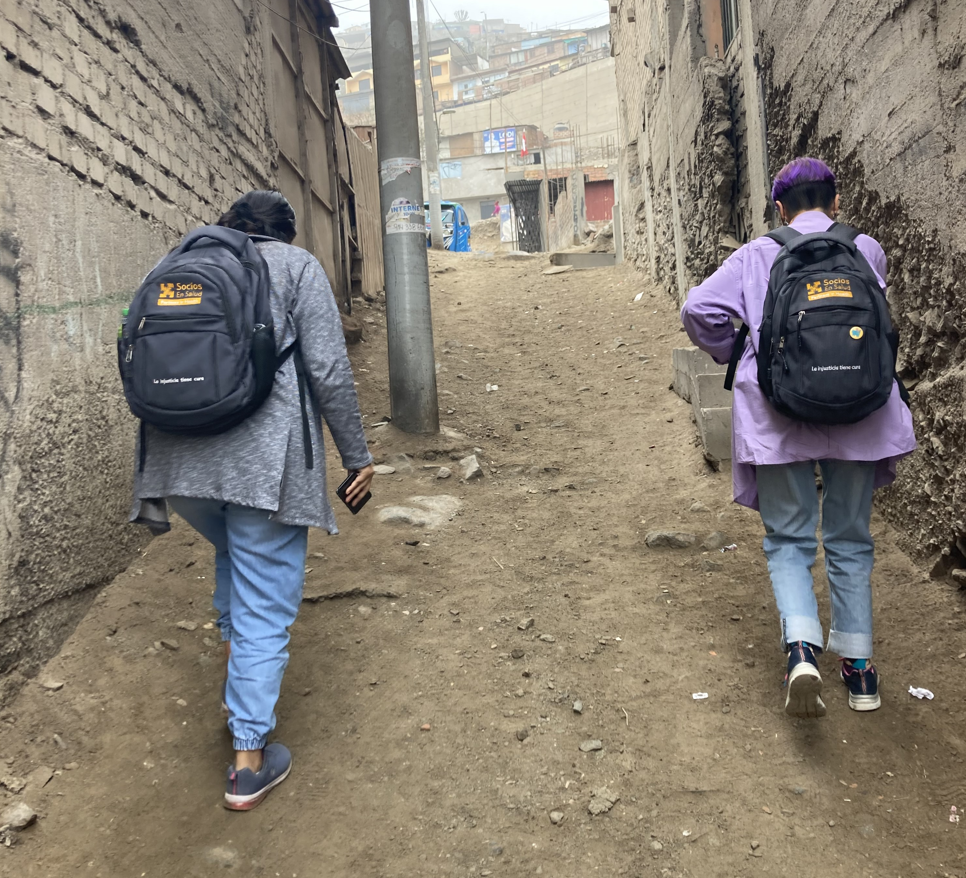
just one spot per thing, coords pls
(538, 13)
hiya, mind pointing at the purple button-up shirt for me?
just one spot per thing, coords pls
(760, 435)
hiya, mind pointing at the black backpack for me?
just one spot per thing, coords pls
(827, 351)
(197, 348)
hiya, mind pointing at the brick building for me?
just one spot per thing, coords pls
(123, 125)
(715, 95)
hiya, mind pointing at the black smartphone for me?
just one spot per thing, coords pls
(343, 489)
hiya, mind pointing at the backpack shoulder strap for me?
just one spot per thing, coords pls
(840, 230)
(736, 353)
(783, 236)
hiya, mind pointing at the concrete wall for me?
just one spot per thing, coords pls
(121, 129)
(560, 224)
(481, 179)
(123, 124)
(677, 157)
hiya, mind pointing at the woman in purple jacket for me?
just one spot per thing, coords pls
(774, 459)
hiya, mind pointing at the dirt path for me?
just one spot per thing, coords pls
(584, 449)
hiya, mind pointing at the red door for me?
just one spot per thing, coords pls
(600, 200)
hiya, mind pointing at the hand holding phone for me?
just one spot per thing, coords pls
(354, 491)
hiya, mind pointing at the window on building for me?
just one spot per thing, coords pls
(437, 70)
(435, 95)
(729, 21)
(364, 85)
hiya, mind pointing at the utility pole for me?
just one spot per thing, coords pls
(506, 167)
(429, 131)
(412, 362)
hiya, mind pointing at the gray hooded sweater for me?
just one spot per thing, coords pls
(261, 462)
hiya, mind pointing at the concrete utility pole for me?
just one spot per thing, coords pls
(429, 130)
(412, 362)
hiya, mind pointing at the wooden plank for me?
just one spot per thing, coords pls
(323, 201)
(318, 106)
(277, 14)
(340, 257)
(364, 173)
(342, 151)
(318, 150)
(284, 107)
(294, 165)
(309, 218)
(284, 53)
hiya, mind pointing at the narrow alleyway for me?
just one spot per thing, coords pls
(431, 735)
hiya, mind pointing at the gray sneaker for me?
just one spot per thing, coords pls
(245, 789)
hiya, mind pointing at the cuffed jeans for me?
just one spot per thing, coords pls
(259, 574)
(789, 504)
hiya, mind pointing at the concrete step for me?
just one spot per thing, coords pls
(714, 427)
(584, 260)
(708, 391)
(689, 362)
(700, 380)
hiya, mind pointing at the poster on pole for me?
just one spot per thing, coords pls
(404, 216)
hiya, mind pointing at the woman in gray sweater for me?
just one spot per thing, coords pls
(251, 494)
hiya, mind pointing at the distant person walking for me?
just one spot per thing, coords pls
(254, 490)
(496, 209)
(826, 345)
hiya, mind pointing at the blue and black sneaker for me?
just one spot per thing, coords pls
(804, 682)
(247, 788)
(862, 679)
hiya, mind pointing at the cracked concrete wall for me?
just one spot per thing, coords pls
(123, 124)
(879, 91)
(678, 166)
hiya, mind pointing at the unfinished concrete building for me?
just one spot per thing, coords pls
(123, 125)
(715, 95)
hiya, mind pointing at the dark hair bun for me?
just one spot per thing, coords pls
(262, 212)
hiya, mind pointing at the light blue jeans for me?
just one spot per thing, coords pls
(259, 574)
(789, 505)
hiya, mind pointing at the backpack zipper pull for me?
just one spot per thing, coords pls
(130, 354)
(141, 324)
(801, 315)
(781, 352)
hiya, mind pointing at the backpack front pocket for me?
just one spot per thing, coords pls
(176, 362)
(833, 352)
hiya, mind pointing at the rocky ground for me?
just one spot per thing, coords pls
(515, 683)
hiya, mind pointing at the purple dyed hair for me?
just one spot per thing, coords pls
(798, 171)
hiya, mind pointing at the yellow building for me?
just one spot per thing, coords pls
(360, 82)
(440, 73)
(444, 67)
